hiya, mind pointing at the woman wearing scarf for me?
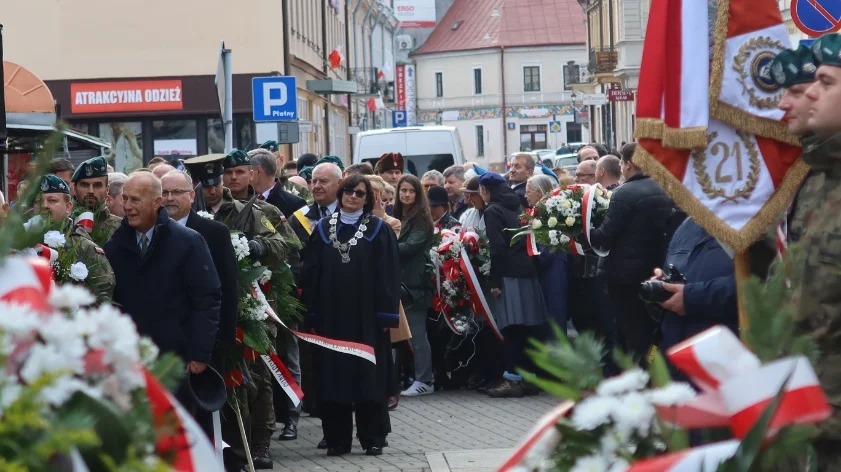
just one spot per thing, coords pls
(351, 285)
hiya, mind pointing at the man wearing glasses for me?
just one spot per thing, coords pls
(585, 173)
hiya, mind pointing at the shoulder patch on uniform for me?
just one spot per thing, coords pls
(267, 224)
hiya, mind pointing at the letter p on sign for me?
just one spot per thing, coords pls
(269, 101)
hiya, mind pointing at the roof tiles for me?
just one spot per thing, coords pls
(519, 23)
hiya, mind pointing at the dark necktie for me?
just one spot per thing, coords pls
(324, 212)
(144, 243)
(261, 197)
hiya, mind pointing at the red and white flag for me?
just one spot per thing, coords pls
(85, 220)
(336, 57)
(739, 179)
(385, 72)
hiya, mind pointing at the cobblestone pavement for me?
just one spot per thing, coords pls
(471, 431)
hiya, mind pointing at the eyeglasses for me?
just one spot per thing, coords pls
(174, 193)
(358, 193)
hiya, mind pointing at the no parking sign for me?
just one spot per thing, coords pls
(816, 17)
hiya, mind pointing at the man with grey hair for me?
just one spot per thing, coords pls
(114, 198)
(453, 182)
(152, 254)
(609, 171)
(161, 170)
(432, 178)
(263, 171)
(522, 167)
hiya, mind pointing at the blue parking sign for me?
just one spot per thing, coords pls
(399, 118)
(274, 99)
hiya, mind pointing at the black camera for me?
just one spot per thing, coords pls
(652, 291)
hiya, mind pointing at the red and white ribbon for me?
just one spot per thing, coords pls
(85, 220)
(540, 442)
(48, 253)
(782, 238)
(345, 347)
(531, 245)
(480, 304)
(188, 445)
(737, 390)
(587, 205)
(26, 281)
(699, 459)
(284, 378)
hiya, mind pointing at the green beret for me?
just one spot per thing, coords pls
(93, 167)
(270, 146)
(792, 67)
(827, 50)
(306, 172)
(332, 160)
(54, 184)
(206, 169)
(236, 158)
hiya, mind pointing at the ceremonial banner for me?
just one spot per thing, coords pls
(739, 180)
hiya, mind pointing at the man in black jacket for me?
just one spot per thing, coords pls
(263, 170)
(635, 232)
(166, 280)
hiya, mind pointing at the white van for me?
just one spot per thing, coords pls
(424, 148)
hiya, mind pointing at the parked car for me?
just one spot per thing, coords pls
(570, 148)
(568, 162)
(424, 148)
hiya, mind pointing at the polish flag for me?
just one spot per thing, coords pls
(336, 57)
(702, 459)
(739, 179)
(385, 72)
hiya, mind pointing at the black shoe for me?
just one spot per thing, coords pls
(338, 451)
(530, 390)
(289, 433)
(475, 381)
(489, 384)
(323, 443)
(506, 389)
(374, 451)
(261, 457)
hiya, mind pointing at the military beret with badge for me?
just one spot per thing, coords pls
(306, 173)
(827, 50)
(207, 169)
(271, 146)
(54, 184)
(794, 66)
(236, 158)
(91, 168)
(331, 160)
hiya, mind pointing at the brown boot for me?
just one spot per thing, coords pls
(261, 457)
(507, 389)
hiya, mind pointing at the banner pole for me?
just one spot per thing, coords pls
(741, 263)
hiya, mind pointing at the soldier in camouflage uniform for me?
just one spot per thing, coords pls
(55, 200)
(815, 223)
(91, 187)
(269, 248)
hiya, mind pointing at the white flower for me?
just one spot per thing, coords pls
(46, 359)
(17, 319)
(565, 203)
(590, 464)
(205, 214)
(570, 221)
(536, 224)
(264, 277)
(621, 465)
(630, 380)
(64, 387)
(78, 271)
(553, 237)
(593, 412)
(9, 393)
(609, 444)
(240, 244)
(485, 268)
(294, 191)
(54, 239)
(564, 238)
(148, 350)
(552, 222)
(599, 192)
(635, 412)
(70, 296)
(675, 393)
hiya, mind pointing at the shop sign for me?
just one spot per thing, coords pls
(411, 98)
(115, 97)
(400, 78)
(415, 13)
(620, 95)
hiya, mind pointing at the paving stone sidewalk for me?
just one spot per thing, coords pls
(445, 432)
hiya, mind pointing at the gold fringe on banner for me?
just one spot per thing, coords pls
(649, 128)
(722, 18)
(685, 138)
(744, 121)
(753, 230)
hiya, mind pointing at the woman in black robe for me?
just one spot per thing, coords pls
(351, 285)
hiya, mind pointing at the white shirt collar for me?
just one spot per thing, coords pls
(183, 221)
(266, 193)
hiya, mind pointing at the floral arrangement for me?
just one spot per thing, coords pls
(456, 295)
(75, 380)
(564, 215)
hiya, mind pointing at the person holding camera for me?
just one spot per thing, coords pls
(696, 291)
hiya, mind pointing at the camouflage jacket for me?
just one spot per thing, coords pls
(104, 223)
(815, 226)
(256, 226)
(279, 222)
(299, 191)
(101, 278)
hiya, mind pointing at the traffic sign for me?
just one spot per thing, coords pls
(274, 99)
(399, 119)
(816, 17)
(554, 126)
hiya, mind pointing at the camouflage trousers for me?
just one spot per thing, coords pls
(261, 400)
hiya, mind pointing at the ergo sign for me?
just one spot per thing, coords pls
(110, 97)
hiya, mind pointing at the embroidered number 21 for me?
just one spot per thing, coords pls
(736, 151)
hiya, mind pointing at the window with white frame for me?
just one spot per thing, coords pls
(571, 75)
(477, 81)
(480, 140)
(531, 78)
(303, 145)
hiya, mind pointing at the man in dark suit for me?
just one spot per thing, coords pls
(263, 170)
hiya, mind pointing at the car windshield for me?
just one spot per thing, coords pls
(566, 161)
(420, 164)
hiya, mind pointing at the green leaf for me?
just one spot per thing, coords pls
(659, 371)
(246, 277)
(168, 369)
(623, 360)
(553, 388)
(284, 275)
(114, 435)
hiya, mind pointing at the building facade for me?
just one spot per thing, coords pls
(500, 72)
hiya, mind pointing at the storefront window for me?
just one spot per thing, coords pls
(174, 139)
(80, 126)
(244, 133)
(215, 137)
(126, 140)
